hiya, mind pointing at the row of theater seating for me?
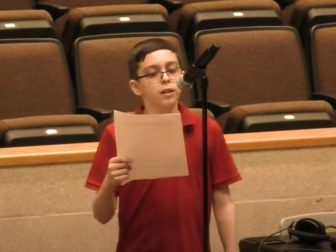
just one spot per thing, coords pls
(75, 16)
(260, 71)
(68, 4)
(186, 21)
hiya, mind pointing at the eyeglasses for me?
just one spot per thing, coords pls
(172, 73)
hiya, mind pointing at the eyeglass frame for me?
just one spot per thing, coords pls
(154, 73)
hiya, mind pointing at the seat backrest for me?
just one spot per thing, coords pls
(324, 58)
(25, 24)
(194, 1)
(296, 13)
(286, 115)
(304, 14)
(321, 15)
(102, 73)
(255, 65)
(215, 14)
(34, 78)
(71, 4)
(17, 4)
(81, 3)
(121, 18)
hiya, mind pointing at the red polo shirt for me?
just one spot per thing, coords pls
(165, 215)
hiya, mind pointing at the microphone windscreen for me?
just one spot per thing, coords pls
(181, 83)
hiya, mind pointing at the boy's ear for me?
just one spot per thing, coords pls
(135, 87)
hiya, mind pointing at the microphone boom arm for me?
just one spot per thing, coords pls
(197, 69)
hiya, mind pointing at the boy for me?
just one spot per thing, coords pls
(164, 215)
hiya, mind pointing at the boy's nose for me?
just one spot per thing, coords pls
(165, 77)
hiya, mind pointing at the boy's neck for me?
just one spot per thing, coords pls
(161, 110)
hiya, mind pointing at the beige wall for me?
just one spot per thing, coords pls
(282, 183)
(46, 207)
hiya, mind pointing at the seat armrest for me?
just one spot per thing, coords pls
(98, 113)
(170, 5)
(216, 108)
(325, 97)
(54, 10)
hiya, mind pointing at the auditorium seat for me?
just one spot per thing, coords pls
(55, 11)
(17, 5)
(287, 115)
(37, 102)
(304, 14)
(82, 3)
(102, 73)
(196, 16)
(25, 24)
(64, 6)
(260, 71)
(324, 61)
(296, 14)
(113, 19)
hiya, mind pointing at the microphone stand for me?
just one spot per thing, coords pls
(204, 91)
(201, 64)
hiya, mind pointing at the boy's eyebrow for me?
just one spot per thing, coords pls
(158, 66)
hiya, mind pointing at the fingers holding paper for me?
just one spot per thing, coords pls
(118, 169)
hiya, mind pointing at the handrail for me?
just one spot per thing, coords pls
(282, 139)
(84, 152)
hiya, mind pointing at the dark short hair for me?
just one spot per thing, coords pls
(140, 51)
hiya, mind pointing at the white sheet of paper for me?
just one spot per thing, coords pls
(154, 143)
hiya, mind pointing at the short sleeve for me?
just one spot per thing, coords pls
(105, 151)
(223, 169)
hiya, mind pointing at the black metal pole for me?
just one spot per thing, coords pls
(197, 71)
(204, 88)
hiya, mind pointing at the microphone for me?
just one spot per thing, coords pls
(186, 80)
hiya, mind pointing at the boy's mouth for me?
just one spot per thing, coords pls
(167, 91)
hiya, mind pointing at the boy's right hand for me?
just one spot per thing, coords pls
(118, 170)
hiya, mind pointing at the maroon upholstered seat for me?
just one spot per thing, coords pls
(218, 14)
(26, 23)
(108, 17)
(37, 93)
(17, 5)
(324, 61)
(258, 65)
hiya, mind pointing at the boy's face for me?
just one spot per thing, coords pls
(156, 83)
